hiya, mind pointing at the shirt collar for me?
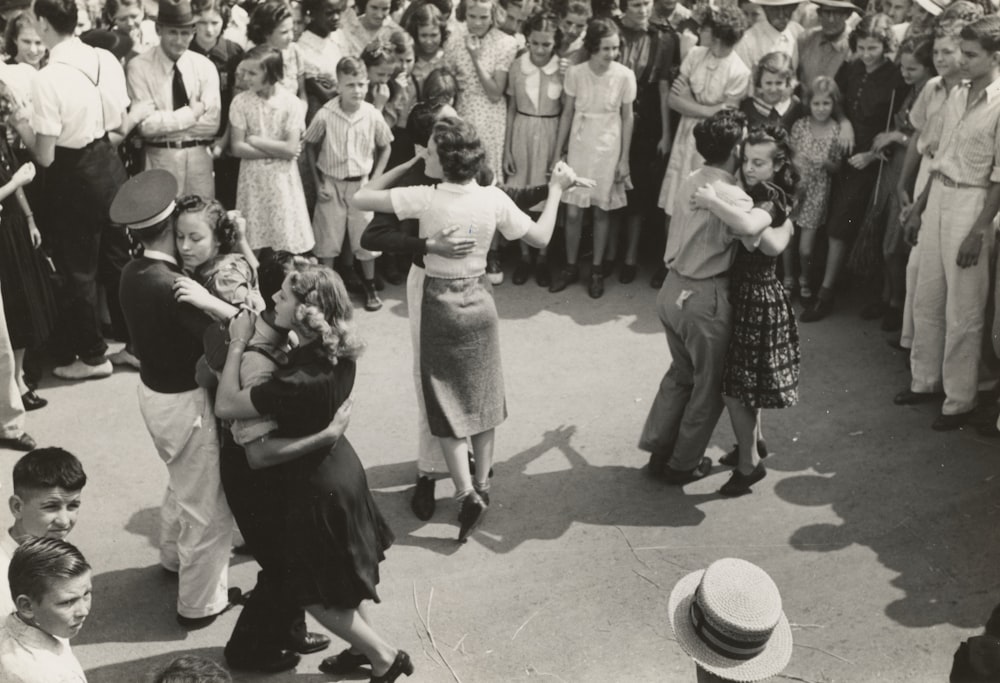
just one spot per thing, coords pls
(63, 51)
(159, 256)
(164, 62)
(765, 108)
(32, 637)
(528, 67)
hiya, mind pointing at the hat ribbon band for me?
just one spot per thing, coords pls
(153, 220)
(722, 644)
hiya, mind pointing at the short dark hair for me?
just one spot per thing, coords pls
(223, 228)
(48, 468)
(191, 669)
(439, 86)
(728, 24)
(985, 31)
(597, 30)
(221, 6)
(39, 561)
(786, 176)
(62, 14)
(270, 60)
(877, 27)
(544, 22)
(717, 136)
(425, 14)
(922, 49)
(274, 266)
(360, 5)
(422, 118)
(265, 18)
(351, 66)
(111, 8)
(459, 149)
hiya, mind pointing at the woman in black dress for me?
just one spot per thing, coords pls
(336, 536)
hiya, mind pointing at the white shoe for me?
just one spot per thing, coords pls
(80, 370)
(124, 357)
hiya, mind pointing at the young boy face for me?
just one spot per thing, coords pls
(352, 89)
(977, 61)
(45, 512)
(63, 608)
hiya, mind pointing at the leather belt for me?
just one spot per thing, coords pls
(178, 144)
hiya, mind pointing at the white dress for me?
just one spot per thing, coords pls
(712, 81)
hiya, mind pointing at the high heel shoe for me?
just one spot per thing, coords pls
(33, 401)
(400, 665)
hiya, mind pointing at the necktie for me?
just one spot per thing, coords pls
(180, 92)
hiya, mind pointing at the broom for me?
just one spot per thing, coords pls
(866, 257)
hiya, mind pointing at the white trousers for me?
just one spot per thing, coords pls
(11, 408)
(430, 457)
(195, 522)
(912, 266)
(192, 167)
(949, 302)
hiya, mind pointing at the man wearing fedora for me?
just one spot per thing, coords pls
(778, 34)
(78, 98)
(824, 48)
(184, 87)
(195, 522)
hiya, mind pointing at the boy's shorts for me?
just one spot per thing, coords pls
(335, 215)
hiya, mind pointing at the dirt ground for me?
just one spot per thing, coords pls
(880, 533)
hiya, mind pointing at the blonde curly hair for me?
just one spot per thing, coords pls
(324, 311)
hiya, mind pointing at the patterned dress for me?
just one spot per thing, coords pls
(713, 80)
(269, 191)
(814, 187)
(490, 118)
(762, 363)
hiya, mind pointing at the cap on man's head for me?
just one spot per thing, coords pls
(145, 200)
(175, 13)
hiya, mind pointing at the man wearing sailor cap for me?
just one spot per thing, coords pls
(196, 524)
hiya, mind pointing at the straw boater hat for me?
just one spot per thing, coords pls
(777, 3)
(933, 7)
(728, 618)
(837, 4)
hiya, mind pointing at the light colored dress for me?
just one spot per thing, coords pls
(814, 187)
(595, 138)
(712, 81)
(489, 118)
(269, 191)
(537, 94)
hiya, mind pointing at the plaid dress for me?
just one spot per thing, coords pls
(762, 363)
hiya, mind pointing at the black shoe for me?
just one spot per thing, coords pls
(657, 465)
(596, 289)
(739, 484)
(344, 663)
(658, 276)
(628, 273)
(307, 644)
(33, 401)
(470, 516)
(494, 268)
(400, 666)
(911, 398)
(422, 503)
(681, 477)
(732, 458)
(19, 443)
(566, 276)
(821, 309)
(522, 273)
(543, 276)
(269, 664)
(947, 423)
(372, 302)
(892, 320)
(485, 495)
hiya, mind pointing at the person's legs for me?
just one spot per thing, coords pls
(660, 274)
(912, 269)
(482, 448)
(807, 240)
(430, 457)
(22, 388)
(349, 625)
(929, 297)
(574, 230)
(456, 455)
(744, 421)
(11, 409)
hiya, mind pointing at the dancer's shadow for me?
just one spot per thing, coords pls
(134, 605)
(543, 505)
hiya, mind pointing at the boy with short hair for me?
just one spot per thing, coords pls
(954, 216)
(52, 584)
(353, 141)
(191, 669)
(45, 503)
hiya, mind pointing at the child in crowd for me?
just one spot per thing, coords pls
(597, 125)
(712, 78)
(873, 91)
(916, 67)
(191, 669)
(22, 44)
(534, 91)
(51, 584)
(211, 18)
(380, 65)
(441, 87)
(429, 32)
(573, 17)
(773, 102)
(817, 156)
(215, 254)
(762, 363)
(129, 18)
(404, 90)
(272, 24)
(48, 483)
(343, 165)
(479, 54)
(267, 122)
